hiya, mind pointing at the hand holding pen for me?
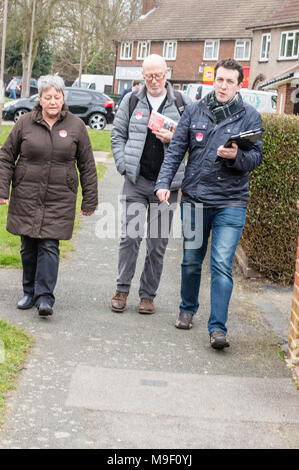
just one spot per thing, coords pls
(163, 195)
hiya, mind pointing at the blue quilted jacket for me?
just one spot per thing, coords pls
(211, 181)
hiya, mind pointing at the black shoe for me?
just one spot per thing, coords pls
(44, 309)
(26, 302)
(218, 340)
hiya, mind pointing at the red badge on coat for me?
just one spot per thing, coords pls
(63, 133)
(199, 136)
(138, 115)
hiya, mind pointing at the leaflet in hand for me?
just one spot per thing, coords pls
(245, 140)
(157, 122)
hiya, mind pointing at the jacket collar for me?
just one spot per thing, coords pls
(38, 117)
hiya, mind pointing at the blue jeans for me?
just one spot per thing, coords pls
(226, 226)
(12, 94)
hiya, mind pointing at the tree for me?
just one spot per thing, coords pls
(57, 35)
(41, 66)
(20, 20)
(103, 21)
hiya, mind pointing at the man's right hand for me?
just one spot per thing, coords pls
(4, 201)
(163, 195)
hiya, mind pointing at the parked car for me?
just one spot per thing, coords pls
(94, 108)
(33, 87)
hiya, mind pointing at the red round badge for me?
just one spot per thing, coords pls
(199, 136)
(138, 115)
(63, 133)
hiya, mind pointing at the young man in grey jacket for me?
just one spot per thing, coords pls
(138, 154)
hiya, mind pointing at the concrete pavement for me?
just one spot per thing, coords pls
(97, 379)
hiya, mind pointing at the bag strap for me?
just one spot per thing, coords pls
(179, 102)
(132, 103)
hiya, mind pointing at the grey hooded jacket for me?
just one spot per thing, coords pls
(128, 135)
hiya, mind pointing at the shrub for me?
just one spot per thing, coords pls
(270, 235)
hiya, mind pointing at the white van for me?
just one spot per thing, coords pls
(263, 101)
(95, 82)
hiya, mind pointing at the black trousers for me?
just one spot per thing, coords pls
(40, 259)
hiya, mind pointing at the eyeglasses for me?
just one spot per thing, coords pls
(152, 76)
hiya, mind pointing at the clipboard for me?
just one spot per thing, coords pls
(245, 140)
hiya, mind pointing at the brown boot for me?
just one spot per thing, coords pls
(146, 306)
(119, 301)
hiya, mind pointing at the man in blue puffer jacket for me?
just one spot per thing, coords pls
(214, 191)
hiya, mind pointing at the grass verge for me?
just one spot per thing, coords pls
(14, 343)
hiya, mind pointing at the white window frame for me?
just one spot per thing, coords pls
(215, 44)
(264, 54)
(170, 50)
(126, 50)
(242, 43)
(290, 36)
(143, 49)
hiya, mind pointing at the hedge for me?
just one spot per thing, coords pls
(270, 234)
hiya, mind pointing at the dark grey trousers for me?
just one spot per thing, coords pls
(140, 205)
(40, 260)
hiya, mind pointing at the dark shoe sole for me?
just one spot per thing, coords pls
(45, 312)
(220, 345)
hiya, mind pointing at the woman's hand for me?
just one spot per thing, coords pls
(4, 201)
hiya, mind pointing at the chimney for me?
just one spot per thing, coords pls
(147, 6)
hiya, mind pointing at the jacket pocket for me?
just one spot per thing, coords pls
(72, 180)
(199, 134)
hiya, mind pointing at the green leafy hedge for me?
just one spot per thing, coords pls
(270, 235)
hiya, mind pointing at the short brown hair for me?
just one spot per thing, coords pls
(136, 82)
(233, 65)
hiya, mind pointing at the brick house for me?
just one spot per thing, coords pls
(287, 86)
(275, 44)
(192, 35)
